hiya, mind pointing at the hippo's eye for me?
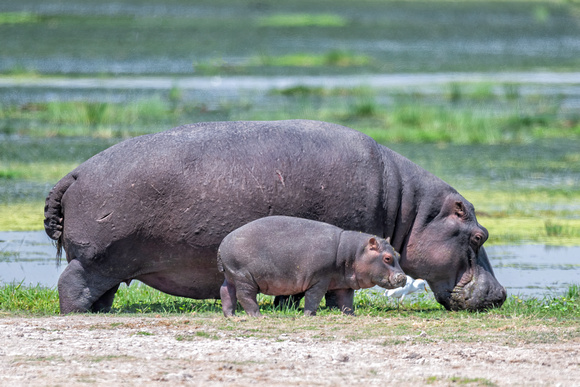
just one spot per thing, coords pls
(388, 259)
(477, 239)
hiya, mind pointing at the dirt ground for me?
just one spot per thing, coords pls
(77, 350)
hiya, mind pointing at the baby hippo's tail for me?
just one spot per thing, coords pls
(220, 264)
(53, 212)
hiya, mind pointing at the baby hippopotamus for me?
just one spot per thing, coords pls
(282, 255)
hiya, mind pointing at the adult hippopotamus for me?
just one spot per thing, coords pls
(156, 207)
(284, 255)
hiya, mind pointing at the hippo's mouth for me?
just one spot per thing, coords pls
(476, 292)
(460, 295)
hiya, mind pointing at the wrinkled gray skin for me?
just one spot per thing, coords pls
(281, 255)
(156, 207)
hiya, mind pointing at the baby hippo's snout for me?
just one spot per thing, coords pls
(398, 279)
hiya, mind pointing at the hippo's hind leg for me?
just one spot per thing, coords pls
(82, 291)
(229, 299)
(246, 293)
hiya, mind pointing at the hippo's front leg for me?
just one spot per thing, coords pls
(313, 296)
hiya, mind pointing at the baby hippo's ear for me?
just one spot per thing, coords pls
(373, 244)
(388, 240)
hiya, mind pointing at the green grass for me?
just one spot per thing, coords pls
(15, 298)
(141, 299)
(458, 380)
(22, 216)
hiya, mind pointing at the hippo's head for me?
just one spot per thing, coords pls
(379, 265)
(445, 247)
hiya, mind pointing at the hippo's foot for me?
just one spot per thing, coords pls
(342, 299)
(81, 291)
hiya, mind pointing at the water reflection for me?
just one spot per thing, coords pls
(528, 270)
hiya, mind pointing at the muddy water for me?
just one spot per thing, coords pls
(527, 270)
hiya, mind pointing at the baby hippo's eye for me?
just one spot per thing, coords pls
(388, 258)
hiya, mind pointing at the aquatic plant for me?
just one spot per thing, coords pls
(332, 58)
(284, 20)
(18, 17)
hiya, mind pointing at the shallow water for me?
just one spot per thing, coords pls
(565, 86)
(28, 257)
(528, 270)
(536, 269)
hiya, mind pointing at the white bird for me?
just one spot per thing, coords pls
(412, 286)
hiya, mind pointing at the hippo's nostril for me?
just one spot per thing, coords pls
(500, 298)
(400, 280)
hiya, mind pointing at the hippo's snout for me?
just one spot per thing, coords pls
(399, 280)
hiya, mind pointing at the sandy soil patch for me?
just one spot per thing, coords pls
(75, 350)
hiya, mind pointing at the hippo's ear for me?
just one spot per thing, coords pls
(460, 209)
(388, 240)
(373, 244)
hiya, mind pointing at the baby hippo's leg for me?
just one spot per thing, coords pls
(313, 296)
(229, 300)
(246, 293)
(345, 300)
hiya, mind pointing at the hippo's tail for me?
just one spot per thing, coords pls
(53, 212)
(220, 263)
